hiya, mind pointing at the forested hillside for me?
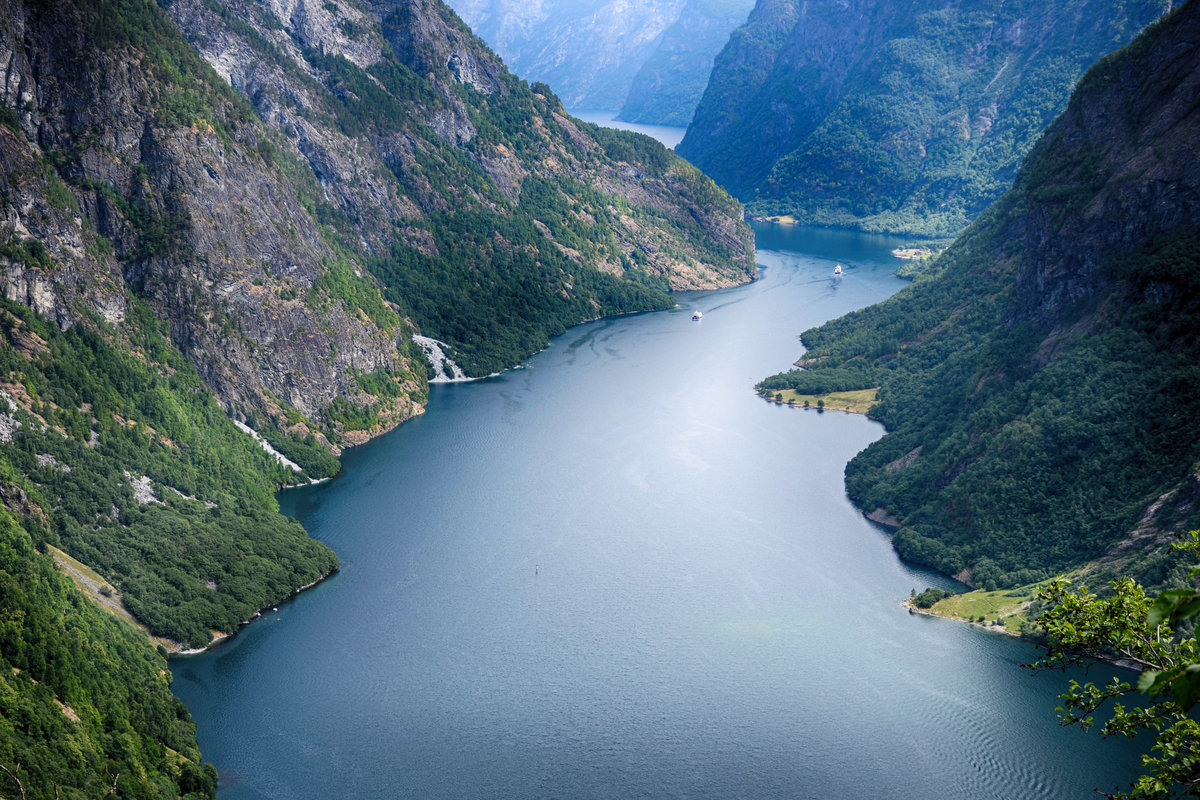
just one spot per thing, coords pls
(1040, 383)
(887, 116)
(86, 708)
(215, 212)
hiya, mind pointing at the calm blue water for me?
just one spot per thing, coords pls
(669, 135)
(616, 573)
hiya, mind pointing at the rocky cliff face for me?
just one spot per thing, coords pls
(889, 116)
(142, 176)
(244, 188)
(415, 129)
(1115, 171)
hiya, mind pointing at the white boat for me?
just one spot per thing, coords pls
(697, 315)
(837, 270)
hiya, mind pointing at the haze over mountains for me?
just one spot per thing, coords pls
(649, 59)
(894, 116)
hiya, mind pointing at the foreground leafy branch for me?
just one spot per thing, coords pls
(1132, 629)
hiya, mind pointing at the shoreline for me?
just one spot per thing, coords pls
(1000, 629)
(852, 402)
(221, 638)
(178, 651)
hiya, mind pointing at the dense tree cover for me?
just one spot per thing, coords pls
(930, 597)
(494, 312)
(210, 549)
(86, 708)
(1024, 442)
(1153, 635)
(996, 462)
(908, 117)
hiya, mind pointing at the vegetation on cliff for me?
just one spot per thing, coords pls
(1039, 383)
(491, 219)
(904, 117)
(188, 229)
(124, 460)
(86, 709)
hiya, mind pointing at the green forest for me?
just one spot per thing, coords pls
(86, 709)
(92, 418)
(912, 119)
(1018, 449)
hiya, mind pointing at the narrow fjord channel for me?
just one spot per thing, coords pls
(617, 573)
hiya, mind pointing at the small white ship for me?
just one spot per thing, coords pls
(697, 316)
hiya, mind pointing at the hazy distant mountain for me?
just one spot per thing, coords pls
(886, 115)
(591, 52)
(588, 51)
(671, 82)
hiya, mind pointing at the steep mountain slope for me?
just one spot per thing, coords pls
(136, 168)
(184, 244)
(907, 117)
(668, 86)
(86, 708)
(492, 219)
(1040, 385)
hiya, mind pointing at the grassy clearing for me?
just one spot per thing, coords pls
(101, 592)
(1007, 605)
(778, 219)
(856, 402)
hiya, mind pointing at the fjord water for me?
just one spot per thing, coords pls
(669, 135)
(617, 573)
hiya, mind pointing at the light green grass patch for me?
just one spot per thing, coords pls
(1007, 605)
(856, 402)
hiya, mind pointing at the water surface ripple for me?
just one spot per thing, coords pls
(616, 573)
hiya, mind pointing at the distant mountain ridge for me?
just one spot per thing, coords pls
(1039, 383)
(588, 52)
(670, 82)
(651, 59)
(886, 116)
